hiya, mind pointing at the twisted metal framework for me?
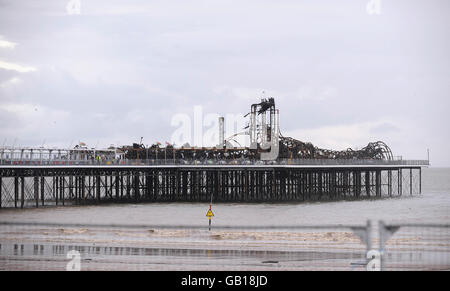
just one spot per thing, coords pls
(155, 152)
(262, 137)
(295, 149)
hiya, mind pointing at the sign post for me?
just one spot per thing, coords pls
(209, 214)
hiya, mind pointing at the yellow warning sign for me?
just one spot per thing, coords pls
(210, 213)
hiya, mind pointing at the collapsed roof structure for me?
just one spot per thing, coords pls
(266, 143)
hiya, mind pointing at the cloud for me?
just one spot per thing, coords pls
(27, 121)
(245, 94)
(16, 67)
(384, 128)
(340, 137)
(10, 82)
(339, 77)
(7, 44)
(312, 91)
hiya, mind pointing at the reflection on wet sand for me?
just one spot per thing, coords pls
(94, 257)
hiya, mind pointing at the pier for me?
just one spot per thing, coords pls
(273, 168)
(315, 180)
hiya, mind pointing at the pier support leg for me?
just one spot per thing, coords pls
(111, 186)
(121, 186)
(420, 180)
(357, 183)
(97, 186)
(55, 189)
(410, 181)
(333, 185)
(320, 186)
(42, 190)
(367, 182)
(62, 181)
(136, 187)
(128, 190)
(22, 190)
(346, 183)
(378, 183)
(16, 191)
(36, 190)
(77, 189)
(82, 187)
(390, 183)
(71, 187)
(117, 186)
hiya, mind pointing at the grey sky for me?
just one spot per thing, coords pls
(121, 69)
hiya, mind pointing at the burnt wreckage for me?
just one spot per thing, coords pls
(265, 138)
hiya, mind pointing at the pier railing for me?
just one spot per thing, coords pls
(143, 162)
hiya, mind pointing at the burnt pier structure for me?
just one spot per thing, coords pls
(273, 168)
(37, 186)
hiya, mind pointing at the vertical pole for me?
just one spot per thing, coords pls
(111, 184)
(184, 185)
(334, 188)
(319, 184)
(121, 185)
(367, 181)
(0, 192)
(354, 183)
(410, 182)
(178, 184)
(117, 186)
(358, 182)
(42, 190)
(136, 186)
(77, 188)
(98, 187)
(345, 183)
(420, 180)
(55, 189)
(59, 188)
(82, 186)
(72, 188)
(303, 183)
(128, 185)
(390, 183)
(90, 186)
(16, 191)
(105, 185)
(273, 185)
(378, 183)
(22, 190)
(36, 190)
(63, 180)
(310, 184)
